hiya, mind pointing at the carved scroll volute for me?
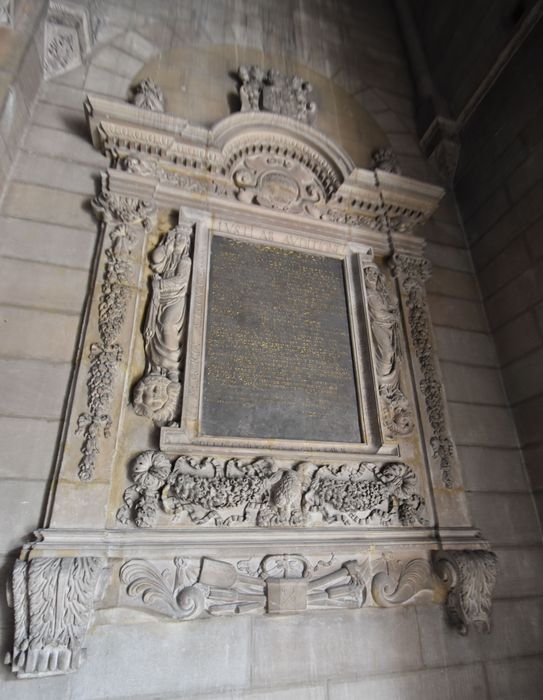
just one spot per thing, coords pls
(157, 395)
(387, 343)
(411, 273)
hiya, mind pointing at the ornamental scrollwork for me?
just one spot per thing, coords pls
(272, 91)
(157, 394)
(386, 335)
(412, 273)
(275, 584)
(124, 219)
(210, 491)
(53, 601)
(470, 576)
(278, 182)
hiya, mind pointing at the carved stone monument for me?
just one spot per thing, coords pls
(257, 423)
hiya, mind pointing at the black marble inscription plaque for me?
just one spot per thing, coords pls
(278, 360)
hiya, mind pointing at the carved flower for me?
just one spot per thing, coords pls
(399, 478)
(151, 469)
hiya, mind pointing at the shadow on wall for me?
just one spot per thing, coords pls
(200, 85)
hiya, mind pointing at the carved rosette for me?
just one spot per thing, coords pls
(387, 342)
(285, 583)
(53, 601)
(412, 272)
(124, 219)
(157, 395)
(470, 576)
(259, 493)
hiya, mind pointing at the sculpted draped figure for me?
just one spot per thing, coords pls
(386, 334)
(158, 393)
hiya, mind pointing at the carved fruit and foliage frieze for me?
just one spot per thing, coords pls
(285, 583)
(259, 493)
(53, 601)
(387, 341)
(157, 395)
(272, 91)
(470, 577)
(124, 219)
(412, 273)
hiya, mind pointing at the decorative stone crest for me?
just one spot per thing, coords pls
(275, 584)
(470, 576)
(124, 218)
(148, 95)
(158, 393)
(259, 493)
(272, 91)
(53, 601)
(412, 273)
(388, 352)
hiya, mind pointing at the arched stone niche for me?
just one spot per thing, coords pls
(257, 423)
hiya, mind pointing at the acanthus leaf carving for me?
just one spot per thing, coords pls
(259, 493)
(470, 576)
(157, 395)
(388, 353)
(275, 584)
(53, 601)
(414, 577)
(123, 219)
(412, 273)
(272, 91)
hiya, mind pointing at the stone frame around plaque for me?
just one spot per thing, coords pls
(355, 258)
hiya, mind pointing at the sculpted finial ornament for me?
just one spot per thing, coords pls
(148, 95)
(275, 92)
(158, 393)
(386, 159)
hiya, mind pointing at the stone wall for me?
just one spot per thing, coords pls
(46, 248)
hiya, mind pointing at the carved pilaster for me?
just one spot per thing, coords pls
(123, 220)
(470, 576)
(412, 272)
(157, 395)
(53, 602)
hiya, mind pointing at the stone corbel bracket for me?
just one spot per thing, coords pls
(257, 158)
(53, 603)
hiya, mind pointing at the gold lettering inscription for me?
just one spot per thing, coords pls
(278, 360)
